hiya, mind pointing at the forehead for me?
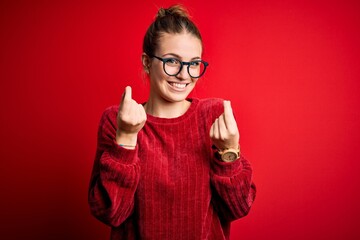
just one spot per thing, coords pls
(183, 44)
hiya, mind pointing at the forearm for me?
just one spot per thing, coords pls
(234, 189)
(113, 185)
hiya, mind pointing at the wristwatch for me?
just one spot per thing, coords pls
(229, 154)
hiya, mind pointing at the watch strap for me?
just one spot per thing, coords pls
(220, 152)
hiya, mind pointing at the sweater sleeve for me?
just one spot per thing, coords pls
(233, 189)
(114, 177)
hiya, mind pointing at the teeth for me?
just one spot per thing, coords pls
(178, 85)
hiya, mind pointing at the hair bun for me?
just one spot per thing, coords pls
(175, 10)
(172, 20)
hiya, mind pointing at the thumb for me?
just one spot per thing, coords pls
(228, 114)
(128, 93)
(126, 96)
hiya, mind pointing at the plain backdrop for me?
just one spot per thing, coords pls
(290, 68)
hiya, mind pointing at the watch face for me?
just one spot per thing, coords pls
(229, 156)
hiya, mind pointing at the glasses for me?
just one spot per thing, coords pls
(173, 66)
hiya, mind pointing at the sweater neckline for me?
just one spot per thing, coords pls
(194, 102)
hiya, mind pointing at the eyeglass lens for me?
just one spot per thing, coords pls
(173, 67)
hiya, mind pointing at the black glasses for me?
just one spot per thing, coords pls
(173, 66)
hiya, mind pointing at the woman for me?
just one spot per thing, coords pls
(170, 168)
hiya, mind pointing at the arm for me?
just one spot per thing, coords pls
(114, 177)
(116, 170)
(233, 189)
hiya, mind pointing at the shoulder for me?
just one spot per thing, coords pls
(109, 115)
(211, 103)
(111, 110)
(210, 106)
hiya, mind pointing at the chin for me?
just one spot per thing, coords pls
(178, 97)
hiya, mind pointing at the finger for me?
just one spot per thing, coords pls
(126, 96)
(228, 115)
(142, 112)
(128, 93)
(216, 129)
(222, 127)
(211, 132)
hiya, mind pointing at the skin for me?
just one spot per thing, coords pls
(167, 99)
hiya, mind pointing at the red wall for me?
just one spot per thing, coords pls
(291, 69)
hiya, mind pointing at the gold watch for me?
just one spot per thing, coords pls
(229, 154)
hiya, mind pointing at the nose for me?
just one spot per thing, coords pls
(183, 74)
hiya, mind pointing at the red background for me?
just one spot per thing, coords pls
(290, 68)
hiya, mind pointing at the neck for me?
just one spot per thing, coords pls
(164, 109)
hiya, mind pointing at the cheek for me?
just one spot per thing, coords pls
(157, 73)
(194, 81)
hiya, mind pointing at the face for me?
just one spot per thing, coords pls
(184, 47)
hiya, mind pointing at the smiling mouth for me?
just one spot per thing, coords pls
(178, 85)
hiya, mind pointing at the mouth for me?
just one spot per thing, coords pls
(178, 86)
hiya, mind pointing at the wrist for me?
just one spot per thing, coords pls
(228, 154)
(126, 140)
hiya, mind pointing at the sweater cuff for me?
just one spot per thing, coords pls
(123, 155)
(226, 169)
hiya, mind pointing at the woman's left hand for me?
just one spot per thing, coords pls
(224, 132)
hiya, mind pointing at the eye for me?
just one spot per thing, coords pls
(195, 64)
(172, 62)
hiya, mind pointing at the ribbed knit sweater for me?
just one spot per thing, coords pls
(171, 186)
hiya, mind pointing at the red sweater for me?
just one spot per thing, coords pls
(171, 186)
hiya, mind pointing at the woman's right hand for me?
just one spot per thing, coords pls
(131, 119)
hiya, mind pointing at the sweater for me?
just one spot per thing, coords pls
(171, 186)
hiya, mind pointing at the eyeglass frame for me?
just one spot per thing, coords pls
(181, 65)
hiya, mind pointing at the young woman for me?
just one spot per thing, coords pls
(170, 168)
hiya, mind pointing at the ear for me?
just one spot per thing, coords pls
(146, 62)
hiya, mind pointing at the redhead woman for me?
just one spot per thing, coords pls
(170, 168)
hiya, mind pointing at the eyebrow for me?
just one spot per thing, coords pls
(177, 56)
